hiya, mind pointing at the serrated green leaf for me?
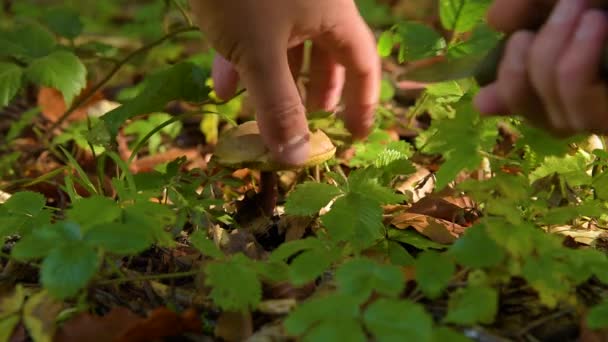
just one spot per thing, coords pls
(482, 39)
(308, 198)
(154, 216)
(417, 41)
(118, 238)
(64, 21)
(67, 269)
(184, 80)
(462, 15)
(413, 238)
(571, 167)
(375, 192)
(360, 277)
(363, 228)
(61, 70)
(204, 245)
(564, 215)
(548, 277)
(333, 308)
(290, 248)
(10, 82)
(26, 41)
(390, 320)
(434, 272)
(338, 330)
(441, 334)
(471, 305)
(517, 240)
(398, 255)
(25, 203)
(475, 242)
(597, 318)
(234, 284)
(309, 265)
(94, 210)
(41, 241)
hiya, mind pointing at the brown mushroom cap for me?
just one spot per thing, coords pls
(243, 147)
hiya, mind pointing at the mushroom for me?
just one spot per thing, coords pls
(242, 147)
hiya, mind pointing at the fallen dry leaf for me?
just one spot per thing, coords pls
(234, 326)
(53, 106)
(122, 325)
(438, 230)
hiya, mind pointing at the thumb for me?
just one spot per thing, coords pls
(280, 113)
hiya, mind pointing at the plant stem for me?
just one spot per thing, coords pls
(150, 277)
(78, 102)
(182, 10)
(269, 192)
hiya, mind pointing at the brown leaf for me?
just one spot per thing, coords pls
(53, 106)
(438, 230)
(234, 326)
(92, 328)
(439, 208)
(122, 325)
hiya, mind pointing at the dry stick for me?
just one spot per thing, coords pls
(112, 72)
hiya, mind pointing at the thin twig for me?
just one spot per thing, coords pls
(114, 70)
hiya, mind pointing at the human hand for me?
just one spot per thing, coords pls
(260, 42)
(551, 76)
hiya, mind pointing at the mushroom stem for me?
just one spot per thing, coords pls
(269, 192)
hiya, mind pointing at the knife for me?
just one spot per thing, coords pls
(483, 68)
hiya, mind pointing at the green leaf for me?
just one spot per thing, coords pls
(27, 41)
(7, 327)
(10, 82)
(68, 269)
(483, 38)
(290, 248)
(391, 320)
(234, 284)
(25, 203)
(597, 318)
(375, 192)
(41, 241)
(441, 334)
(398, 255)
(309, 265)
(413, 238)
(355, 218)
(434, 272)
(360, 277)
(64, 21)
(548, 277)
(462, 15)
(184, 80)
(334, 308)
(417, 41)
(61, 70)
(475, 242)
(385, 43)
(118, 238)
(155, 217)
(571, 167)
(338, 330)
(308, 198)
(471, 305)
(374, 13)
(204, 245)
(94, 210)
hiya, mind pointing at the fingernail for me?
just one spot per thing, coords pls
(296, 151)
